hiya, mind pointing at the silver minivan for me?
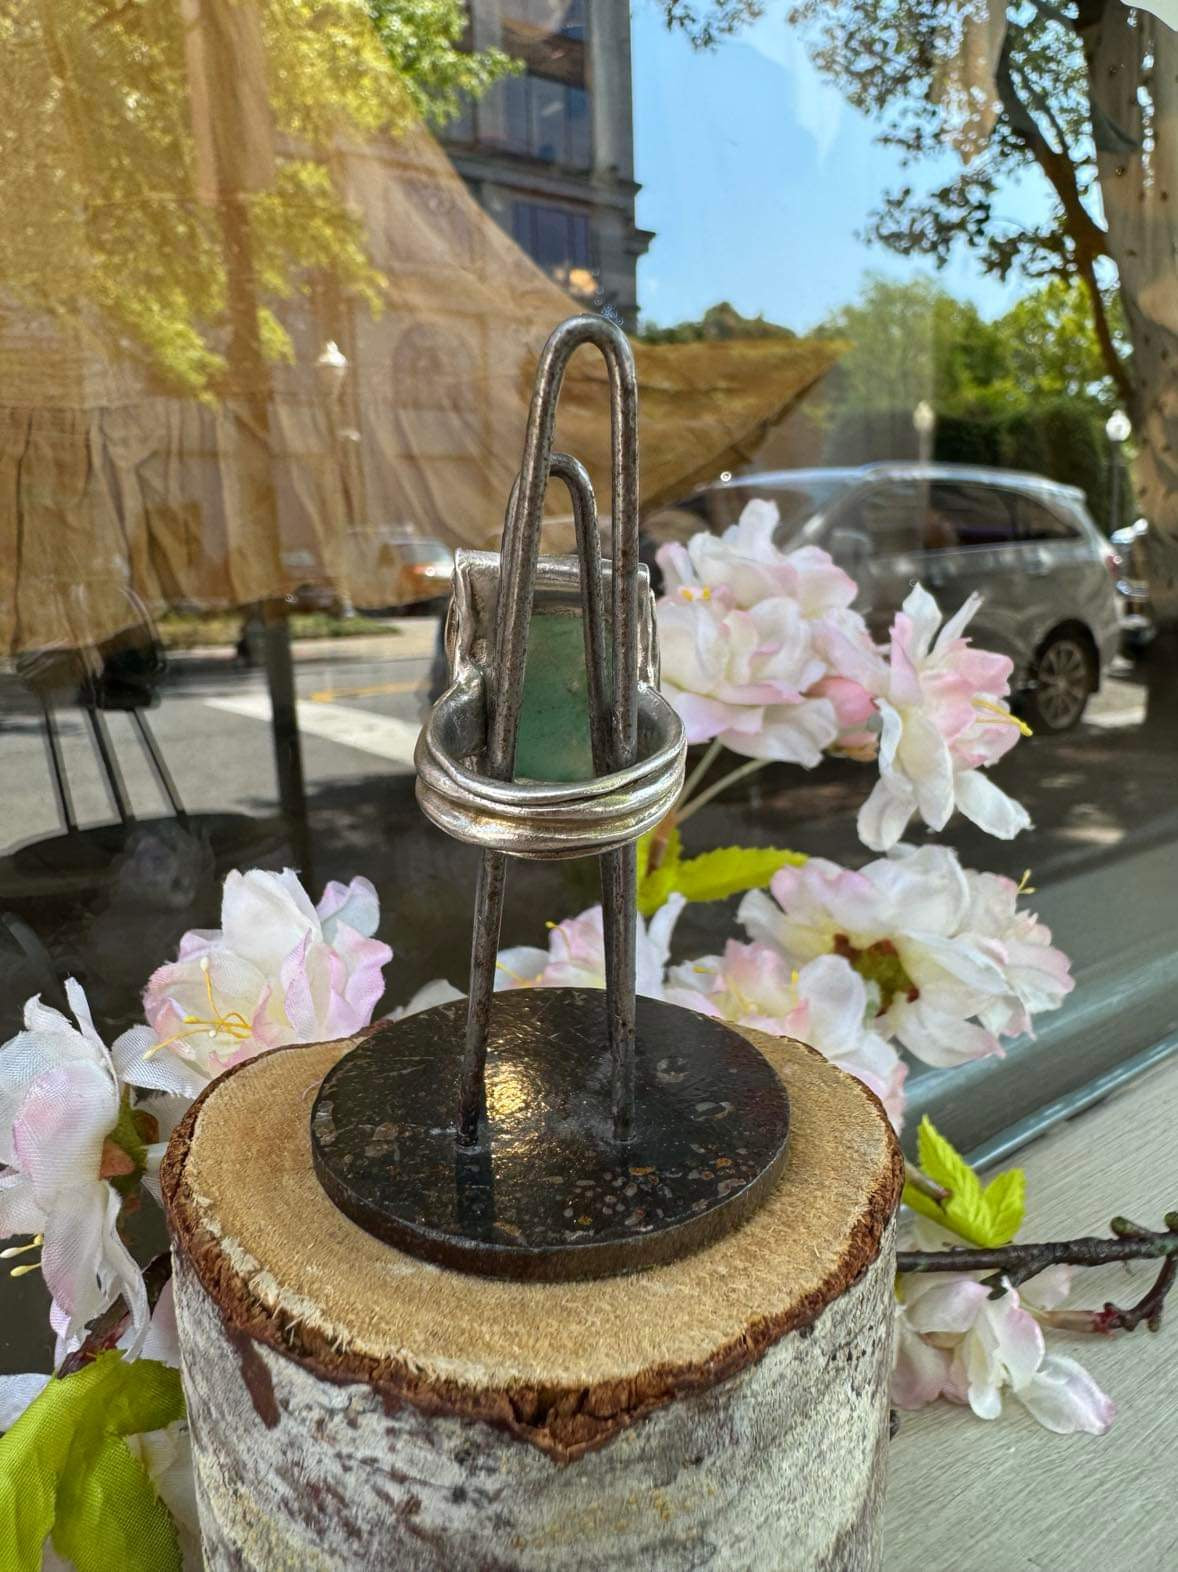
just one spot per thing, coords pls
(1027, 544)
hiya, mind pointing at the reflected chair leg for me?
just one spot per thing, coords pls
(110, 765)
(619, 880)
(156, 759)
(488, 915)
(57, 764)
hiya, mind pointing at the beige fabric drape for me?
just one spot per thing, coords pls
(120, 491)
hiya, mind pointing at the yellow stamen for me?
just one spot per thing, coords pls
(233, 1024)
(34, 1243)
(550, 925)
(23, 1271)
(1025, 887)
(1001, 713)
(521, 982)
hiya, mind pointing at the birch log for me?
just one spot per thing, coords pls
(351, 1407)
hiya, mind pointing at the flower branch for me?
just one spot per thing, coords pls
(1010, 1265)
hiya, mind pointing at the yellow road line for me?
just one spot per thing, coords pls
(329, 695)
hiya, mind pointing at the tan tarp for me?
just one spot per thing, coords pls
(118, 494)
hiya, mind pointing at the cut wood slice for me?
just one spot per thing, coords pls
(352, 1406)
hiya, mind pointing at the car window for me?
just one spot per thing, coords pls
(962, 513)
(888, 514)
(1036, 521)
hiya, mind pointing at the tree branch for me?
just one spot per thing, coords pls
(1104, 334)
(1089, 240)
(1087, 235)
(1013, 1264)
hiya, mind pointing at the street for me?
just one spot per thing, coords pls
(1094, 794)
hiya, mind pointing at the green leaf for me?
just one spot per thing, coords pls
(65, 1469)
(654, 885)
(988, 1217)
(941, 1160)
(712, 875)
(1006, 1200)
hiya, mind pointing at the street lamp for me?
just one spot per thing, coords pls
(924, 423)
(332, 366)
(1117, 428)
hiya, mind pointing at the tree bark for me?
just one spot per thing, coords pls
(353, 1407)
(1128, 51)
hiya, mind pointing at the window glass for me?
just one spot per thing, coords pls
(887, 514)
(1039, 522)
(274, 283)
(961, 514)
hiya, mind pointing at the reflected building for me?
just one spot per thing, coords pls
(549, 153)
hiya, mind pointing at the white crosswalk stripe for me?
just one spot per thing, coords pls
(382, 735)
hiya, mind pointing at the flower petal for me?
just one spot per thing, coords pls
(1063, 1397)
(988, 806)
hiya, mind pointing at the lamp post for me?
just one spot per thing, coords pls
(1117, 429)
(924, 423)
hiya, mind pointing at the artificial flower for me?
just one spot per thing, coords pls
(575, 957)
(165, 1455)
(739, 634)
(66, 1131)
(824, 1003)
(740, 676)
(902, 922)
(1039, 974)
(746, 563)
(956, 1340)
(439, 991)
(279, 970)
(943, 719)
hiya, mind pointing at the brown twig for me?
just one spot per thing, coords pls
(1012, 1264)
(919, 1180)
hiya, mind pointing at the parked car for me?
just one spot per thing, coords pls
(406, 570)
(1027, 544)
(1134, 602)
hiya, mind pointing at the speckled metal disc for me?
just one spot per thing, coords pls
(547, 1194)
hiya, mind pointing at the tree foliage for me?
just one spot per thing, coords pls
(707, 23)
(911, 340)
(127, 136)
(719, 322)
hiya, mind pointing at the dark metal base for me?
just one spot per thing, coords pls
(547, 1194)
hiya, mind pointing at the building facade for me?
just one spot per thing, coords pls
(549, 153)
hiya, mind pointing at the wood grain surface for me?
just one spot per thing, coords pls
(965, 1495)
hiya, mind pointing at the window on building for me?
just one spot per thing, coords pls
(546, 119)
(556, 238)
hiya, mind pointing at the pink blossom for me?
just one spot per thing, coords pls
(824, 1003)
(739, 630)
(575, 957)
(746, 563)
(943, 718)
(741, 676)
(1039, 975)
(954, 1340)
(279, 970)
(954, 965)
(60, 1101)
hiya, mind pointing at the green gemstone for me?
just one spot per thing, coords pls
(553, 739)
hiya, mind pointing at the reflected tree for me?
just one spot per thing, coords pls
(1082, 91)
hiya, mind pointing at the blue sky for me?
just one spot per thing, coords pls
(756, 176)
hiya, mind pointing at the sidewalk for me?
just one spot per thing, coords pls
(407, 638)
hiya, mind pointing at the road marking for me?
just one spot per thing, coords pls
(382, 735)
(332, 695)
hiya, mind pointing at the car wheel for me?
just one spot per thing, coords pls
(1062, 679)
